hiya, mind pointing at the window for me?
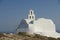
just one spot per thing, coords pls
(30, 17)
(31, 12)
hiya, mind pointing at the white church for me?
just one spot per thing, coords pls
(42, 26)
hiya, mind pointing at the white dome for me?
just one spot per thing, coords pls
(43, 25)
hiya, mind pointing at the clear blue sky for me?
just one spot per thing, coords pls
(12, 11)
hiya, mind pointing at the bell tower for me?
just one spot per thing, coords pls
(31, 15)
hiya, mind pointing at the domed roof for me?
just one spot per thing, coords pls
(45, 20)
(43, 25)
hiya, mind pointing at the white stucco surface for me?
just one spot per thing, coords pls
(42, 26)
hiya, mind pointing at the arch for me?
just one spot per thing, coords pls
(30, 17)
(31, 12)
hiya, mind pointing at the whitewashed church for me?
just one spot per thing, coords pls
(40, 26)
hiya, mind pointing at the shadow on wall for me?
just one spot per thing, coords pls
(23, 26)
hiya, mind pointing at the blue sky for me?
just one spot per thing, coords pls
(12, 11)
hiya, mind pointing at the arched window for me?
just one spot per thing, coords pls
(30, 17)
(31, 12)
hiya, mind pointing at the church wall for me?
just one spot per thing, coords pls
(42, 25)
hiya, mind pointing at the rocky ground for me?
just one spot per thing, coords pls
(25, 36)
